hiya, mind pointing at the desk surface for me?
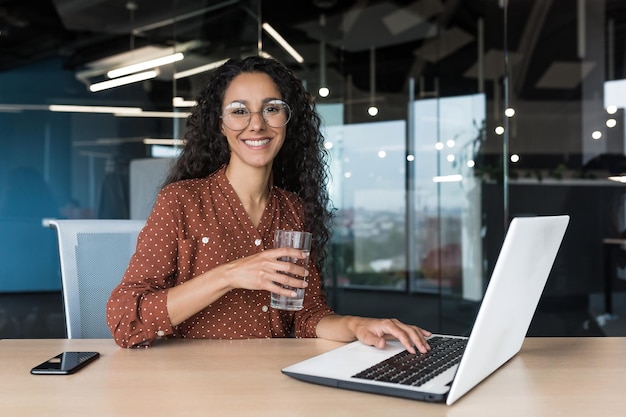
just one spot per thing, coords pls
(551, 376)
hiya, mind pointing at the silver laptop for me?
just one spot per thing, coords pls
(519, 277)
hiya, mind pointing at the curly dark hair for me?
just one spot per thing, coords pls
(301, 165)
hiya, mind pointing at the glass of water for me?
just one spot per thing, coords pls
(298, 240)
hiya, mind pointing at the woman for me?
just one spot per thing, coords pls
(204, 267)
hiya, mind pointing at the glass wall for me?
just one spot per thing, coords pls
(443, 121)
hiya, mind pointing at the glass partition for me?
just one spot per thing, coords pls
(448, 134)
(443, 120)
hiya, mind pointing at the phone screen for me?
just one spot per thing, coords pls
(65, 363)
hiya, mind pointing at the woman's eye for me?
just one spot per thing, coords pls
(239, 112)
(271, 110)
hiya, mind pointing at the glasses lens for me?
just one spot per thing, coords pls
(236, 116)
(276, 113)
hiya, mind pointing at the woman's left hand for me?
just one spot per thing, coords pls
(375, 332)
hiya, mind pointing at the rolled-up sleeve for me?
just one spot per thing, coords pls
(137, 308)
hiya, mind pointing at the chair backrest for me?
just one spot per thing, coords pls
(94, 255)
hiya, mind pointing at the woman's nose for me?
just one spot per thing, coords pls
(256, 120)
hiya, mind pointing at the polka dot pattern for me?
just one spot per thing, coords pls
(195, 226)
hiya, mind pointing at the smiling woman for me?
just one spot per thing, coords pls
(249, 167)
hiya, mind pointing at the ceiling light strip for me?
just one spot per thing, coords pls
(141, 66)
(282, 42)
(158, 114)
(18, 108)
(116, 82)
(166, 142)
(198, 70)
(93, 109)
(181, 102)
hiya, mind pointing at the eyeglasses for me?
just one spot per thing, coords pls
(275, 113)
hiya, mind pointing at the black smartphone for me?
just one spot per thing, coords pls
(65, 363)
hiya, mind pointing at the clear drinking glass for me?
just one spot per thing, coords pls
(298, 240)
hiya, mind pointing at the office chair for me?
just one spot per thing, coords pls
(93, 255)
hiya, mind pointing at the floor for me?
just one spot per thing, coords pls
(40, 315)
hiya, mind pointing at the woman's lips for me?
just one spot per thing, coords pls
(256, 142)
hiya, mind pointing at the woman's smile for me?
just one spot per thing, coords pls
(256, 143)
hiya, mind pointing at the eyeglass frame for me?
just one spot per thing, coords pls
(261, 112)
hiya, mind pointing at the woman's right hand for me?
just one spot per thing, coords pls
(261, 271)
(264, 271)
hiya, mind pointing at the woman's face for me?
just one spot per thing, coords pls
(254, 97)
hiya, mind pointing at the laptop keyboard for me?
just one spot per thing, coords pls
(416, 369)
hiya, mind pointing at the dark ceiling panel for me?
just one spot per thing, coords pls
(82, 31)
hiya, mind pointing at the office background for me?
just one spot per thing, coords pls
(443, 120)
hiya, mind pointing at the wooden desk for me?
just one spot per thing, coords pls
(551, 376)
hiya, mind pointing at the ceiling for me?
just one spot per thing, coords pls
(419, 39)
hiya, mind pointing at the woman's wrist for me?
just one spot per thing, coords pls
(337, 327)
(220, 280)
(352, 324)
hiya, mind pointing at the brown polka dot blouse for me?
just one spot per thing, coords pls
(196, 225)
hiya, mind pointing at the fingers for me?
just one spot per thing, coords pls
(286, 260)
(266, 271)
(372, 339)
(278, 253)
(283, 284)
(284, 273)
(288, 270)
(411, 337)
